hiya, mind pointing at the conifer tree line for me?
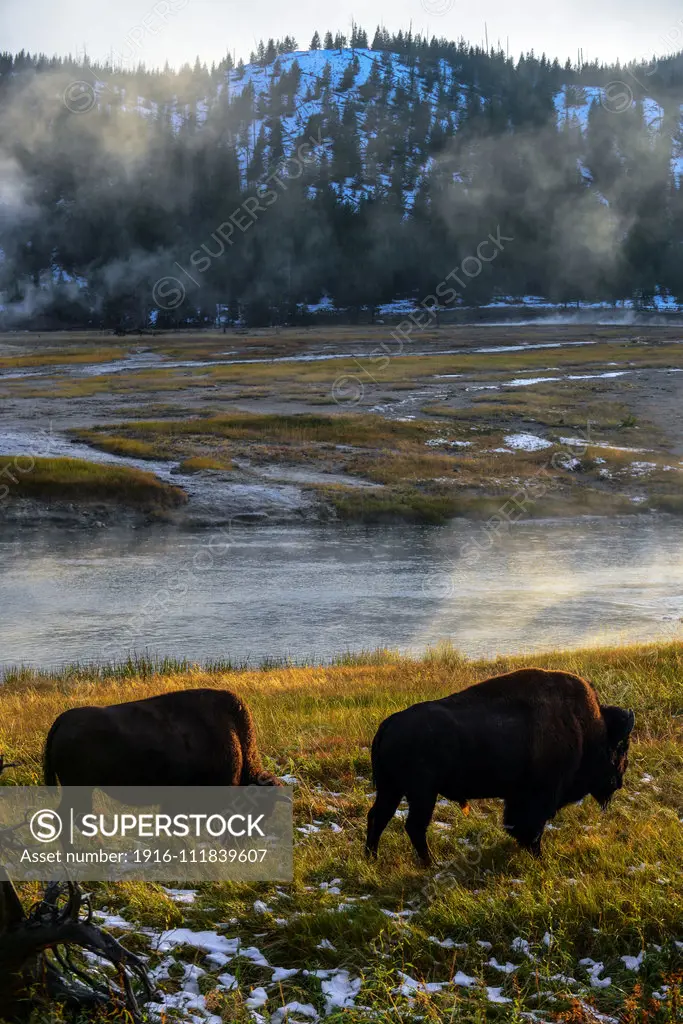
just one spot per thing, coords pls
(112, 176)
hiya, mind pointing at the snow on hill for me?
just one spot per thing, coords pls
(312, 64)
(572, 105)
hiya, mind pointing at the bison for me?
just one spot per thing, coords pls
(187, 738)
(537, 739)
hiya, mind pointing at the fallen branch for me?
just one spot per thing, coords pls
(37, 953)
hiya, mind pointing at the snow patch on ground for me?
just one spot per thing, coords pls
(340, 991)
(443, 442)
(595, 969)
(181, 895)
(526, 442)
(495, 995)
(633, 963)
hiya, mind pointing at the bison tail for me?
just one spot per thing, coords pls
(49, 772)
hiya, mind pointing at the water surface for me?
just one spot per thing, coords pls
(318, 591)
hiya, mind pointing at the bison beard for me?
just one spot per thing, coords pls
(187, 738)
(536, 739)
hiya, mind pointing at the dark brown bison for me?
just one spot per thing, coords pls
(186, 738)
(536, 739)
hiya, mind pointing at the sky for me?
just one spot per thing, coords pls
(155, 31)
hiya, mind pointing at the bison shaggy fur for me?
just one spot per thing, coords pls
(197, 737)
(536, 739)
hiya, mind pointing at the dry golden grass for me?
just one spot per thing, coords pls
(200, 463)
(608, 885)
(66, 357)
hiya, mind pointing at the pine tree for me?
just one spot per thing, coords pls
(277, 149)
(315, 41)
(329, 41)
(370, 88)
(257, 166)
(348, 77)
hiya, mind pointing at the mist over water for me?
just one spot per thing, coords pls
(316, 592)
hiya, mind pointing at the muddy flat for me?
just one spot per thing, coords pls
(370, 424)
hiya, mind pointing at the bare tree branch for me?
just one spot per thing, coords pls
(37, 949)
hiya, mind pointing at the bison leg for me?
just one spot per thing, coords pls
(379, 816)
(422, 806)
(525, 822)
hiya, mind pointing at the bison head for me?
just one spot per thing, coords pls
(618, 728)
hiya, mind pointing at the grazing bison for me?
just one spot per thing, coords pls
(536, 739)
(186, 738)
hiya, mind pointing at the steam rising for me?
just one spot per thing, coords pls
(98, 201)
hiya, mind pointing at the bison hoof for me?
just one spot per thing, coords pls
(534, 848)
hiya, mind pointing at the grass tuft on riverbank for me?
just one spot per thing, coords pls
(83, 482)
(609, 885)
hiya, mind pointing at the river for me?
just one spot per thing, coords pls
(315, 592)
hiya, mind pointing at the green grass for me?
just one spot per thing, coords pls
(301, 429)
(82, 482)
(607, 886)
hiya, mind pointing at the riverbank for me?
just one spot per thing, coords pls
(75, 492)
(489, 936)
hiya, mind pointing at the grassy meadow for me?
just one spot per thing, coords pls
(489, 935)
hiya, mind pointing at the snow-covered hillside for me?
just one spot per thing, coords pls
(348, 72)
(306, 105)
(310, 100)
